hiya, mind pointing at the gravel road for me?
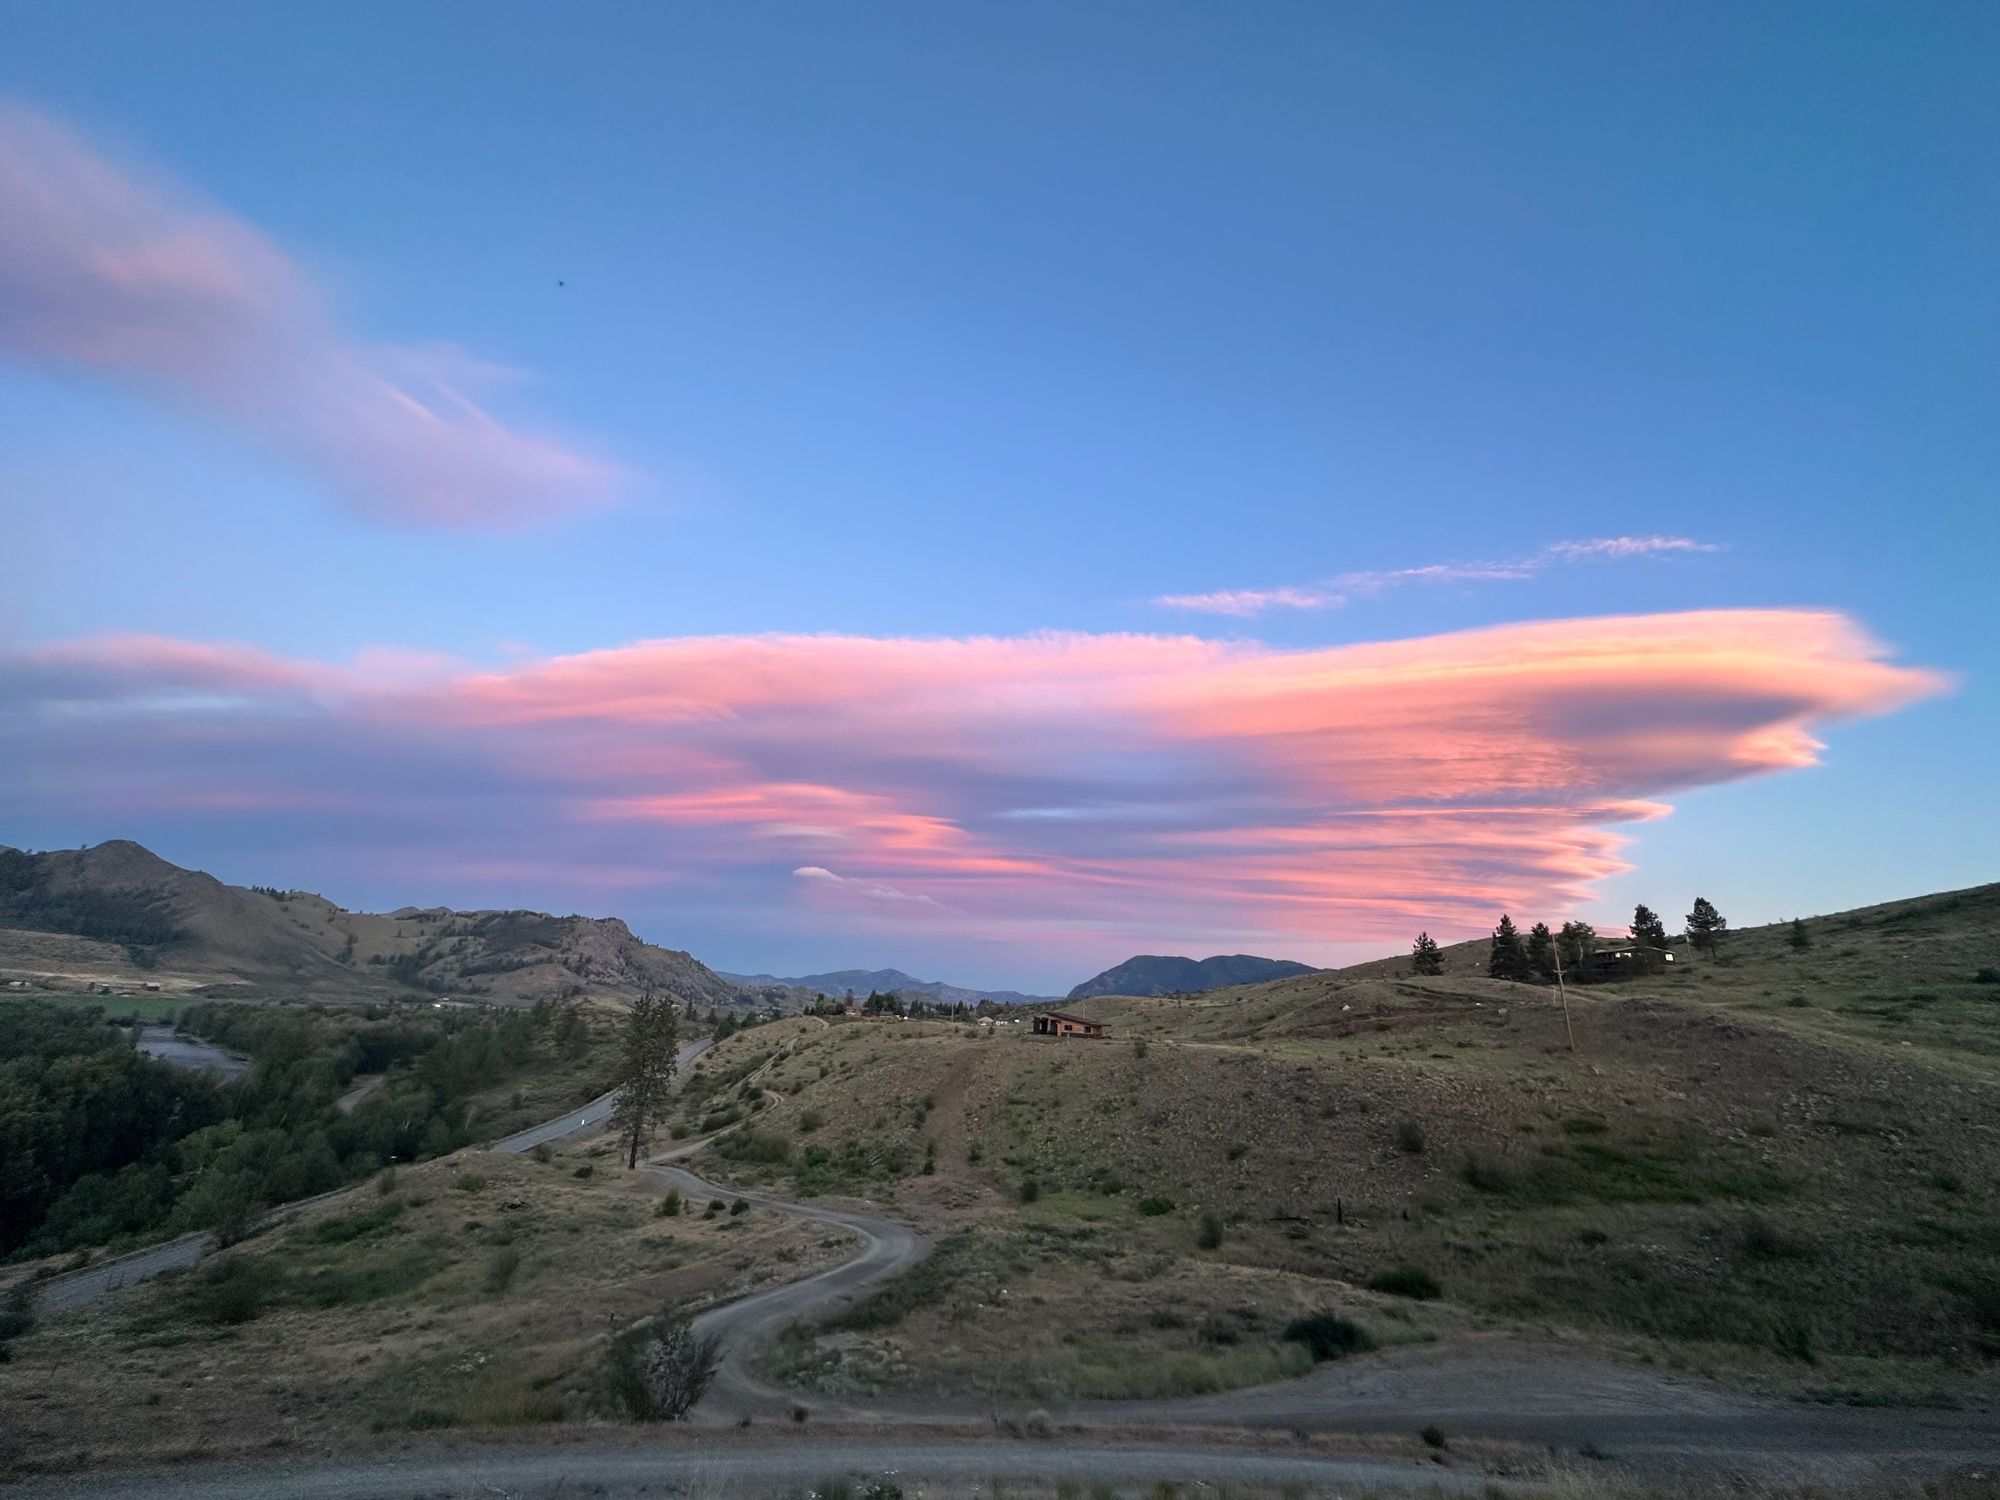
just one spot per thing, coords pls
(1655, 1422)
(770, 1464)
(886, 1249)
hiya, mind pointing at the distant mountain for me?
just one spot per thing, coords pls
(861, 981)
(109, 913)
(1151, 974)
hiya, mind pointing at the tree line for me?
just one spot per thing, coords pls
(101, 1143)
(1540, 955)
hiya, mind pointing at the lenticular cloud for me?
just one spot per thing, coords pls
(125, 277)
(1061, 784)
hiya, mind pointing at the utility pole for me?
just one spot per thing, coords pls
(1562, 990)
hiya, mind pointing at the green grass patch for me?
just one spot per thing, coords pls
(115, 1007)
(353, 1227)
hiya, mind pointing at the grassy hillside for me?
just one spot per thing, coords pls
(477, 1292)
(1780, 1168)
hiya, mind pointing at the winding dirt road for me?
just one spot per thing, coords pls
(1662, 1424)
(1653, 1424)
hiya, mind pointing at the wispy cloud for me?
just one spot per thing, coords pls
(867, 890)
(121, 274)
(1073, 790)
(1342, 588)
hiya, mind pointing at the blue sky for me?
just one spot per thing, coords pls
(949, 322)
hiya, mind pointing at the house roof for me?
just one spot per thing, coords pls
(1063, 1015)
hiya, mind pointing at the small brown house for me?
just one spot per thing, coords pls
(1055, 1023)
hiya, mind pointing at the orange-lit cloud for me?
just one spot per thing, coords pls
(1108, 789)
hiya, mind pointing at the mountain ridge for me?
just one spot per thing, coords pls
(1169, 974)
(835, 981)
(115, 910)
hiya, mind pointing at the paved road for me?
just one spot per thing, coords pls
(594, 1113)
(768, 1464)
(60, 1293)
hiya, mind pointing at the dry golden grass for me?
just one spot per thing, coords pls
(1802, 1205)
(475, 1291)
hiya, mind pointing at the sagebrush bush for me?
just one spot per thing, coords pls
(1486, 1175)
(230, 1292)
(657, 1370)
(1410, 1137)
(1208, 1234)
(501, 1268)
(1406, 1281)
(1328, 1335)
(1156, 1206)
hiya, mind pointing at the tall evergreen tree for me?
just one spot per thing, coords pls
(1705, 925)
(1575, 942)
(1508, 960)
(1800, 937)
(1424, 955)
(646, 1071)
(1542, 952)
(1649, 936)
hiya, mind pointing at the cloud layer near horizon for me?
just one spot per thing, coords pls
(1089, 791)
(105, 270)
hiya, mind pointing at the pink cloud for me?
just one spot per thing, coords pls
(1117, 789)
(104, 271)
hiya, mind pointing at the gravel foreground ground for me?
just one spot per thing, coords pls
(774, 1468)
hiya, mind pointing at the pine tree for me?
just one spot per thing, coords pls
(1649, 936)
(1509, 960)
(646, 1071)
(1541, 952)
(1800, 937)
(1575, 942)
(1424, 955)
(1705, 925)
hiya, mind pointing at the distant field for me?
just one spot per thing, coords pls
(115, 1007)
